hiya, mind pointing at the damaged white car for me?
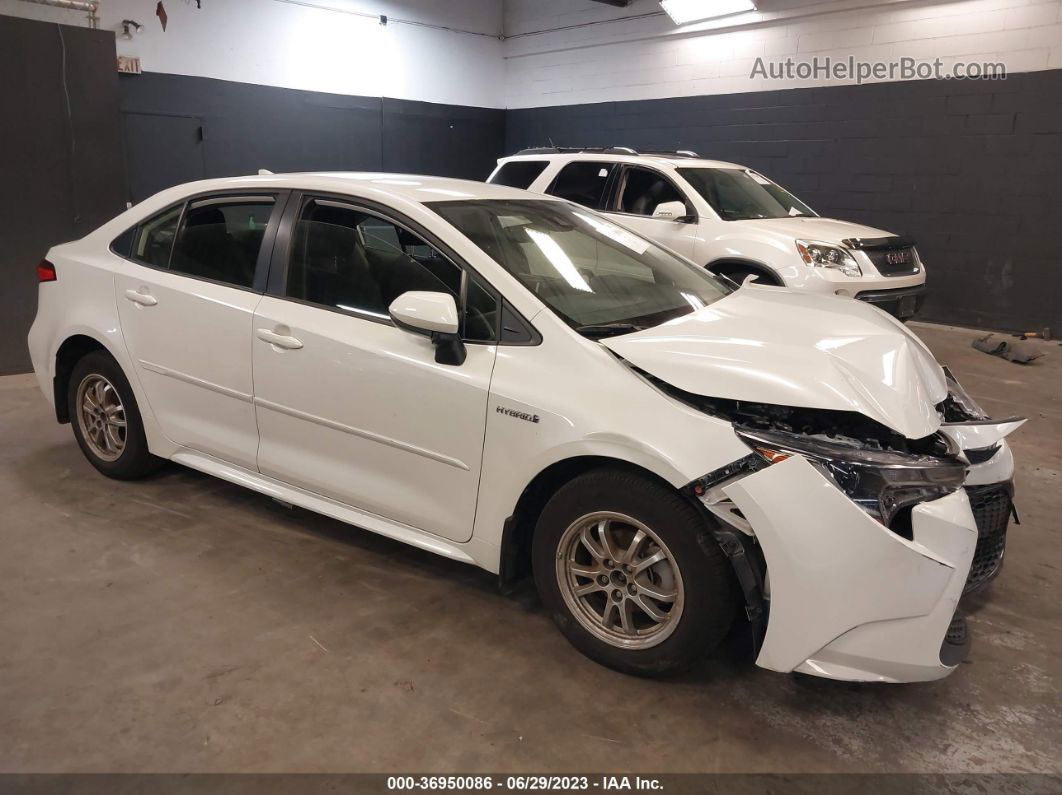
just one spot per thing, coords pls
(515, 382)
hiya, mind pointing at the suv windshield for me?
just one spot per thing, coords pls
(739, 194)
(597, 276)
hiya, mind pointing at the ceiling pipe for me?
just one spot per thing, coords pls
(90, 7)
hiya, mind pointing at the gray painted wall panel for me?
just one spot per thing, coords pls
(248, 127)
(62, 169)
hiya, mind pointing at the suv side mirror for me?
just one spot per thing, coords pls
(435, 316)
(674, 211)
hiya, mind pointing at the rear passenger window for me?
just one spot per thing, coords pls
(518, 173)
(220, 238)
(582, 182)
(345, 258)
(644, 189)
(154, 239)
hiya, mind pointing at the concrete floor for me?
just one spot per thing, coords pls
(185, 624)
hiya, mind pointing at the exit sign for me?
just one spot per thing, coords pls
(128, 65)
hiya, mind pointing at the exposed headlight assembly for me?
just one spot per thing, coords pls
(881, 482)
(826, 255)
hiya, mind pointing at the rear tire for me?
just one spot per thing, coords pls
(106, 419)
(631, 574)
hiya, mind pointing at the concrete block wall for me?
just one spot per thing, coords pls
(647, 57)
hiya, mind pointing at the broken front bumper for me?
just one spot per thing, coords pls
(849, 598)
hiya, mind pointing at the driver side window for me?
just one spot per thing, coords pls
(346, 258)
(645, 189)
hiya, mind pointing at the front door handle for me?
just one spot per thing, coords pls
(280, 340)
(144, 299)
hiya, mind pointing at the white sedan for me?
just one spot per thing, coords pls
(516, 382)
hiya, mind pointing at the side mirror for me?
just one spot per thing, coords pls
(673, 211)
(433, 315)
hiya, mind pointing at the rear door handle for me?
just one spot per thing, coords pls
(144, 299)
(280, 340)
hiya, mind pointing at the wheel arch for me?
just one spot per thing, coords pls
(761, 269)
(67, 355)
(519, 527)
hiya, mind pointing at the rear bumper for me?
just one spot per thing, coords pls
(38, 341)
(850, 599)
(902, 303)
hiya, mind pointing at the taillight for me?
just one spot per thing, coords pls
(46, 271)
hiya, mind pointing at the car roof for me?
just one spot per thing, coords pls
(409, 187)
(677, 162)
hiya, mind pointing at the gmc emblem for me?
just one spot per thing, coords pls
(897, 257)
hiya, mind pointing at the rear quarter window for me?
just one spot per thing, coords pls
(518, 173)
(123, 244)
(154, 237)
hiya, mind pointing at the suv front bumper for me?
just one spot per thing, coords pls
(901, 303)
(849, 598)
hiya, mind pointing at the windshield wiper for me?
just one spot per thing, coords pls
(599, 330)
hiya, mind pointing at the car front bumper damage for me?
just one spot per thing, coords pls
(849, 598)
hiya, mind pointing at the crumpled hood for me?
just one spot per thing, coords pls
(770, 345)
(826, 230)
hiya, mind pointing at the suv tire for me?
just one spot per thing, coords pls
(106, 419)
(631, 574)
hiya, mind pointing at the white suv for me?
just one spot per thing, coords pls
(516, 382)
(730, 219)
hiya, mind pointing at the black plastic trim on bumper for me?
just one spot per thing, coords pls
(993, 507)
(956, 645)
(889, 300)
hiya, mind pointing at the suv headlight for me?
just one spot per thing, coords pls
(826, 255)
(881, 482)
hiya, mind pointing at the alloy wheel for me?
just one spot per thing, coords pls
(619, 580)
(101, 417)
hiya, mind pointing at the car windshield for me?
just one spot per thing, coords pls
(600, 278)
(740, 194)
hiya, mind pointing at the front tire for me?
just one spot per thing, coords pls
(106, 419)
(631, 574)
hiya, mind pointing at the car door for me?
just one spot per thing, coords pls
(351, 407)
(186, 291)
(637, 192)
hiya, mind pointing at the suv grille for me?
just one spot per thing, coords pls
(991, 509)
(894, 261)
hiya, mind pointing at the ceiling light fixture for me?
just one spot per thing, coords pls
(682, 12)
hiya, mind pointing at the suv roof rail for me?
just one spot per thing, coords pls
(604, 150)
(677, 153)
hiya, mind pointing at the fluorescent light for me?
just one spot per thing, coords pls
(555, 254)
(613, 232)
(682, 12)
